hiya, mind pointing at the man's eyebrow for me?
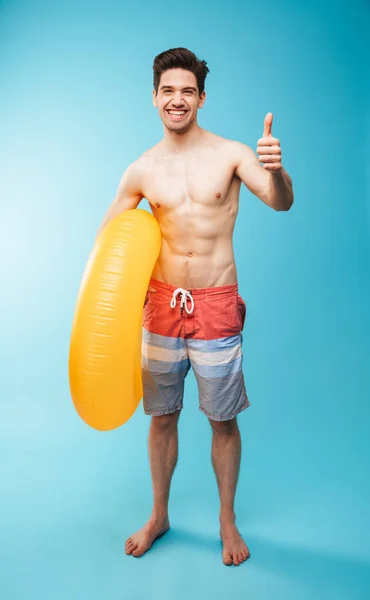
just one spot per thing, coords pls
(170, 87)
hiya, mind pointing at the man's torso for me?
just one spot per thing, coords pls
(195, 198)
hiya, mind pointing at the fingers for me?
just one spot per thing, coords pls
(272, 166)
(270, 158)
(269, 151)
(268, 141)
(268, 148)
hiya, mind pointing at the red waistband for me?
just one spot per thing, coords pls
(221, 290)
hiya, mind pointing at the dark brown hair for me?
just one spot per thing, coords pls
(180, 58)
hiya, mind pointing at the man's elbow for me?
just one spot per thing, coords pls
(284, 207)
(285, 203)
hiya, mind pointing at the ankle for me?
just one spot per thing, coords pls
(227, 515)
(159, 515)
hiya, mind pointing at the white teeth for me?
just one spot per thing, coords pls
(177, 112)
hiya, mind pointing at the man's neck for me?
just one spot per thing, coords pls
(180, 143)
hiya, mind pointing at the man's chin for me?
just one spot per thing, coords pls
(177, 127)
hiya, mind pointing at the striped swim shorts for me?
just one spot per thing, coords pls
(199, 328)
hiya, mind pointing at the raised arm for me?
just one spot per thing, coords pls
(270, 182)
(274, 188)
(129, 193)
(249, 170)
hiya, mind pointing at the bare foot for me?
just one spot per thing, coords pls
(143, 539)
(235, 550)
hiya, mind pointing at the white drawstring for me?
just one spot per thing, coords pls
(184, 295)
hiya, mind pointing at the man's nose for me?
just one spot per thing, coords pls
(177, 99)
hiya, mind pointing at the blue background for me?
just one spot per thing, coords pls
(75, 110)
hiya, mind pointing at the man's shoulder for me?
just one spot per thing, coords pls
(241, 151)
(141, 164)
(145, 162)
(214, 140)
(230, 145)
(151, 153)
(236, 145)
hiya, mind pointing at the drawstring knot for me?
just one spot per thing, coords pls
(185, 294)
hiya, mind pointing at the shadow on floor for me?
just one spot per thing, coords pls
(346, 575)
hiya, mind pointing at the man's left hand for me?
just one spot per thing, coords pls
(268, 149)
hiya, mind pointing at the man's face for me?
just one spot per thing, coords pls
(178, 99)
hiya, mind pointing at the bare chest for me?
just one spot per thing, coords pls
(170, 183)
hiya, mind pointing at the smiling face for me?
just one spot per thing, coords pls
(178, 99)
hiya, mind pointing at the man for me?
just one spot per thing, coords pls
(194, 315)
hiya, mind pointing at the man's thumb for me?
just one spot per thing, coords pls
(268, 125)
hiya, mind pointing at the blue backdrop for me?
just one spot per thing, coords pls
(75, 110)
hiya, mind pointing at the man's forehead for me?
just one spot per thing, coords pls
(178, 78)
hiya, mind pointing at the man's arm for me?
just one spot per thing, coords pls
(273, 188)
(129, 194)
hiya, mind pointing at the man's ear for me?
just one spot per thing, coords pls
(202, 99)
(154, 98)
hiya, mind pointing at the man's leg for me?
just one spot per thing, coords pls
(226, 453)
(163, 452)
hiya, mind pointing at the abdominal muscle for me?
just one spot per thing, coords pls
(196, 249)
(196, 271)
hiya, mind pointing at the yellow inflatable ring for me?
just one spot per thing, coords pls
(105, 346)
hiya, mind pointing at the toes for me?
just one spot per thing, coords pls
(138, 552)
(129, 543)
(236, 561)
(131, 549)
(235, 558)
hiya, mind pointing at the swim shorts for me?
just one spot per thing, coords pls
(199, 328)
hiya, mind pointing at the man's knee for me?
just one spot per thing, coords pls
(224, 427)
(165, 422)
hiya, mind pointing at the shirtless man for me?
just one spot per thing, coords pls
(194, 315)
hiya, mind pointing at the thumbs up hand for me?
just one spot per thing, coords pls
(268, 149)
